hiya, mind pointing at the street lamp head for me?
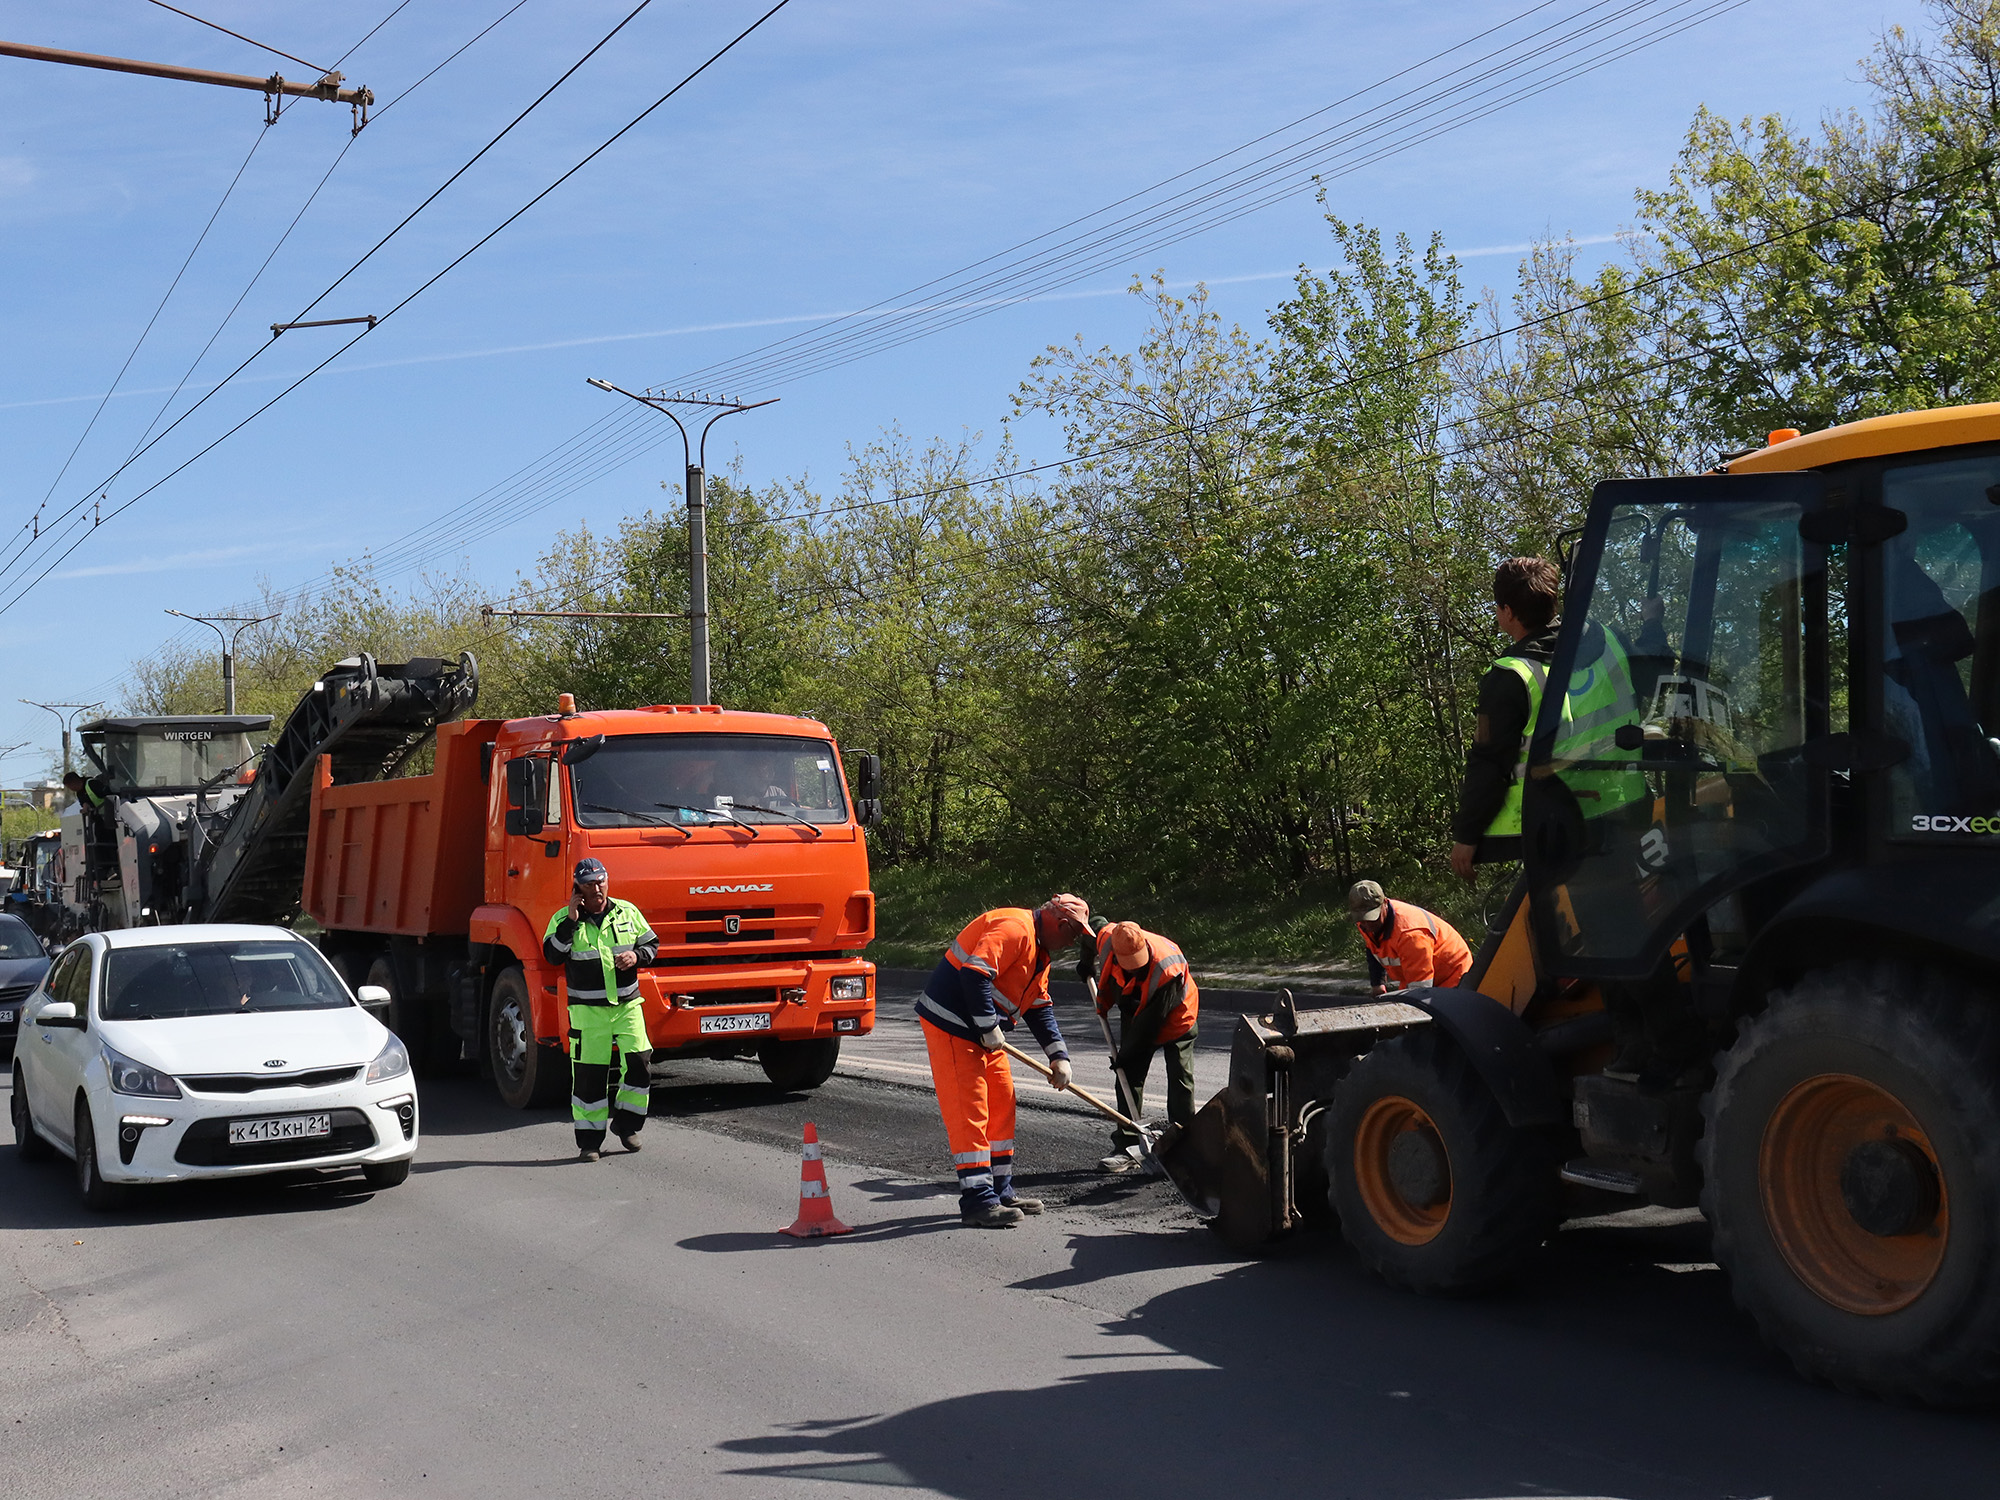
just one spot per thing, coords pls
(602, 385)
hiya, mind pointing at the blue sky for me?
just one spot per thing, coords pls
(846, 151)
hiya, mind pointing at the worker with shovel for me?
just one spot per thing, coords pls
(1147, 978)
(995, 973)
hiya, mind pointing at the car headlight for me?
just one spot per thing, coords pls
(850, 987)
(129, 1077)
(391, 1062)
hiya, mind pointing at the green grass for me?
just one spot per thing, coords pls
(1229, 921)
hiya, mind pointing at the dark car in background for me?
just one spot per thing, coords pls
(22, 964)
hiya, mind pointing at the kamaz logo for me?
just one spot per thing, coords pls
(1951, 823)
(725, 890)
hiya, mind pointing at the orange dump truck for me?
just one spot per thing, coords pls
(733, 832)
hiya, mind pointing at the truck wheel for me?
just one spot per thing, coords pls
(406, 1016)
(1851, 1168)
(798, 1067)
(1433, 1188)
(27, 1140)
(528, 1074)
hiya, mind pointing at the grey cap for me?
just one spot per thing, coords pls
(1365, 901)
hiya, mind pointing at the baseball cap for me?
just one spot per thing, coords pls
(1365, 901)
(1073, 910)
(589, 871)
(1128, 940)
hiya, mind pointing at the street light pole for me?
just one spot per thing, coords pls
(696, 458)
(229, 640)
(63, 712)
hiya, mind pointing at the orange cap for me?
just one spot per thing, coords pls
(1129, 945)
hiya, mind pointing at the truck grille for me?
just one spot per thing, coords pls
(764, 997)
(251, 1083)
(206, 1143)
(707, 926)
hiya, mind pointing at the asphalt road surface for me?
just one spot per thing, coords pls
(513, 1323)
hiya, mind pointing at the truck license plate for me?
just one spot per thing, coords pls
(282, 1128)
(735, 1023)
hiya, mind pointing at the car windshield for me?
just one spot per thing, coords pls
(696, 779)
(17, 939)
(227, 977)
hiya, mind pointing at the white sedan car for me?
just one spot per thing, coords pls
(164, 1054)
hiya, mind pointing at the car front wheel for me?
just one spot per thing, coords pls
(97, 1193)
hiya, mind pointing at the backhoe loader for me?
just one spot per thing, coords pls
(1752, 962)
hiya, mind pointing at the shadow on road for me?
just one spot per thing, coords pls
(1618, 1369)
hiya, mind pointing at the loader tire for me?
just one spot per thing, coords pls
(1851, 1165)
(527, 1074)
(1434, 1189)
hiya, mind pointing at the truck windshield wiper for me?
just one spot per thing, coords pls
(800, 822)
(633, 812)
(711, 812)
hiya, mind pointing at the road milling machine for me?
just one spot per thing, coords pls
(1753, 959)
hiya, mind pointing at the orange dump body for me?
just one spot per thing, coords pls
(755, 923)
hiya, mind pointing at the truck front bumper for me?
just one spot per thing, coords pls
(721, 1009)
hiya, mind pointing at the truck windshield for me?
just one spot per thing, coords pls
(230, 977)
(179, 759)
(648, 779)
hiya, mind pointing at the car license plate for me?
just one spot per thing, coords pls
(283, 1128)
(735, 1023)
(6, 1016)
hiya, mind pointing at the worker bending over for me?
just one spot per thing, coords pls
(1147, 978)
(1407, 946)
(995, 973)
(600, 942)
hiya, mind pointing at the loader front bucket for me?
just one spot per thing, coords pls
(1233, 1163)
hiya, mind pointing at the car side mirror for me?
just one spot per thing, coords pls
(59, 1013)
(374, 999)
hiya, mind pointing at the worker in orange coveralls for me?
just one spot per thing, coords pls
(1407, 946)
(994, 975)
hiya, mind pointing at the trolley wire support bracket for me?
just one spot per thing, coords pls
(274, 88)
(369, 318)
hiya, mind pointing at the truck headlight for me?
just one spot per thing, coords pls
(129, 1077)
(850, 987)
(391, 1062)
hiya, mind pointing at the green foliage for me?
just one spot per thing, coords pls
(1225, 661)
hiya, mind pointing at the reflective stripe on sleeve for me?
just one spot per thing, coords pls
(965, 960)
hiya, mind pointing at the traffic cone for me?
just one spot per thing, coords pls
(815, 1218)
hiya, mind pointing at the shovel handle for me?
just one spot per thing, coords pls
(1082, 1093)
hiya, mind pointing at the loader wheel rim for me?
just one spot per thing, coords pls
(1383, 1124)
(1843, 1160)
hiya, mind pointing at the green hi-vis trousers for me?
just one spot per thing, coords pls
(598, 1034)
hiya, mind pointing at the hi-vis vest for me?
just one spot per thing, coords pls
(1117, 987)
(1599, 700)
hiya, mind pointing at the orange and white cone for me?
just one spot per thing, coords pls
(815, 1218)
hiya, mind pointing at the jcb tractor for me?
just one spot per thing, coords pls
(1753, 959)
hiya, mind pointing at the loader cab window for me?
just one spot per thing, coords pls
(1941, 649)
(1671, 769)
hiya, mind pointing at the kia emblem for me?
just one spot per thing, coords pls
(276, 1062)
(732, 924)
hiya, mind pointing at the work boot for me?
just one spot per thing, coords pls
(586, 1154)
(630, 1142)
(1121, 1161)
(994, 1215)
(1026, 1205)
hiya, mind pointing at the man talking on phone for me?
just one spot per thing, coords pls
(601, 942)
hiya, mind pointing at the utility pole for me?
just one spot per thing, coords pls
(697, 505)
(64, 713)
(229, 640)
